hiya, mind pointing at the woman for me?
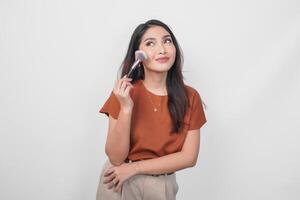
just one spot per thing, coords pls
(154, 121)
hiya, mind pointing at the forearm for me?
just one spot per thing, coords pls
(118, 139)
(165, 164)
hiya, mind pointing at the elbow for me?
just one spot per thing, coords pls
(192, 162)
(114, 159)
(116, 162)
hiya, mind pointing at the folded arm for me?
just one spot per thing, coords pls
(186, 158)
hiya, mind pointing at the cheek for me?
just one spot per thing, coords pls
(151, 57)
(148, 63)
(150, 54)
(173, 50)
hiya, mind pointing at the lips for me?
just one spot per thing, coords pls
(162, 59)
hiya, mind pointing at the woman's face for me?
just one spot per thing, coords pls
(158, 45)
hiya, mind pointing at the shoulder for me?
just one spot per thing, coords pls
(195, 113)
(191, 92)
(193, 95)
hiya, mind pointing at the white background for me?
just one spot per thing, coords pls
(58, 62)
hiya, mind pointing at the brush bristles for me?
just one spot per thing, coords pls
(140, 55)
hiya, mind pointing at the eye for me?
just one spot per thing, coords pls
(150, 43)
(168, 41)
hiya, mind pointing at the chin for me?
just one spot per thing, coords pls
(160, 68)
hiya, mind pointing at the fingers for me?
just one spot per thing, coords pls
(119, 190)
(120, 81)
(122, 84)
(127, 90)
(118, 187)
(113, 183)
(109, 178)
(109, 171)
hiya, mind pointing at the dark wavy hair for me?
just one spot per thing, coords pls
(177, 94)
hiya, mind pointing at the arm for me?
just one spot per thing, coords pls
(187, 157)
(118, 137)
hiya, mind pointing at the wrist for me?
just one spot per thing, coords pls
(126, 109)
(136, 167)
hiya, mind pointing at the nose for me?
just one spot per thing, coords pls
(162, 49)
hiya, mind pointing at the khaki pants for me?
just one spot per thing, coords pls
(140, 187)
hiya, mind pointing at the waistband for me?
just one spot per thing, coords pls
(165, 174)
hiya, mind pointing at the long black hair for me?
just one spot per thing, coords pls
(177, 94)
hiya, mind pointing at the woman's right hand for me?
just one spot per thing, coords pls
(122, 91)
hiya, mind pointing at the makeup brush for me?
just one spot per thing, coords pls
(139, 57)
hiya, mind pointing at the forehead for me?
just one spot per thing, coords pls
(155, 32)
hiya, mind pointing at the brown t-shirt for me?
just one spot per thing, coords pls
(150, 135)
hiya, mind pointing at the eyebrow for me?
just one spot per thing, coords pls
(151, 38)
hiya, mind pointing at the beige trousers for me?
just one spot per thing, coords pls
(140, 187)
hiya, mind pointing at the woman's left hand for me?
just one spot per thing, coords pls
(115, 176)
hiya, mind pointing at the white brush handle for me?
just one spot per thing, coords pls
(135, 64)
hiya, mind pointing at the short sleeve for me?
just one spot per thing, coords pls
(197, 119)
(111, 106)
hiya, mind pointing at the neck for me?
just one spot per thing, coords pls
(156, 83)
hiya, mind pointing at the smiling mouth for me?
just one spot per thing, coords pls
(162, 60)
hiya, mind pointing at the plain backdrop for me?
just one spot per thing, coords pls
(60, 58)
